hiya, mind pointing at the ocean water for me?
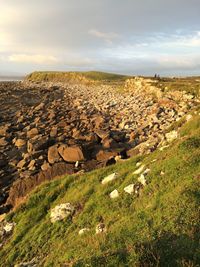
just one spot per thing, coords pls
(10, 78)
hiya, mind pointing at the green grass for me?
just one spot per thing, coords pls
(159, 228)
(89, 76)
(189, 84)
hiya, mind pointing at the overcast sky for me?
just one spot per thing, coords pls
(124, 36)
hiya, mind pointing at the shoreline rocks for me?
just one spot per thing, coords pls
(45, 128)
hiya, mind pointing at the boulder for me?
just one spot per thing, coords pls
(53, 155)
(21, 164)
(3, 130)
(142, 180)
(102, 134)
(39, 107)
(171, 136)
(83, 231)
(8, 227)
(3, 142)
(109, 143)
(62, 211)
(71, 154)
(104, 155)
(139, 170)
(33, 132)
(20, 143)
(129, 189)
(45, 166)
(109, 178)
(114, 194)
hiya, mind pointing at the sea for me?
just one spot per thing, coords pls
(10, 78)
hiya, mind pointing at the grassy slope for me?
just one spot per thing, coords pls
(66, 76)
(160, 228)
(189, 84)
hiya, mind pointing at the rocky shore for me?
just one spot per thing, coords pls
(51, 129)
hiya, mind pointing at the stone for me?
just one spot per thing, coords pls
(3, 141)
(102, 134)
(21, 164)
(20, 143)
(3, 130)
(139, 170)
(101, 228)
(71, 154)
(104, 155)
(33, 132)
(129, 189)
(142, 179)
(31, 163)
(39, 107)
(108, 143)
(32, 263)
(53, 132)
(62, 211)
(53, 155)
(188, 117)
(171, 136)
(109, 178)
(8, 227)
(138, 164)
(83, 231)
(114, 194)
(45, 166)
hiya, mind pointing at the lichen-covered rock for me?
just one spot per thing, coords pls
(142, 180)
(109, 178)
(171, 136)
(61, 212)
(114, 194)
(139, 170)
(83, 231)
(129, 189)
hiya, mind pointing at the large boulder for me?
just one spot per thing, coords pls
(20, 142)
(109, 178)
(32, 133)
(61, 212)
(71, 154)
(53, 155)
(22, 187)
(104, 155)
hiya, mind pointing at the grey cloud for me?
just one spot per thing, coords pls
(95, 33)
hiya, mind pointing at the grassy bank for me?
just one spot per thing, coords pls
(158, 228)
(87, 77)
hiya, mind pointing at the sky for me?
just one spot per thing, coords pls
(137, 37)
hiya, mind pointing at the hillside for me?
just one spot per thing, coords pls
(83, 77)
(159, 226)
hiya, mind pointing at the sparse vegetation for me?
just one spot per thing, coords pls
(159, 228)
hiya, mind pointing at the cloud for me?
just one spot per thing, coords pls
(38, 59)
(124, 36)
(106, 36)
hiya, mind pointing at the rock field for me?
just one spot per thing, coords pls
(48, 130)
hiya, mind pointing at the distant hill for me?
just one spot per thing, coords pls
(72, 76)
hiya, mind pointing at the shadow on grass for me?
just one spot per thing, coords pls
(170, 250)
